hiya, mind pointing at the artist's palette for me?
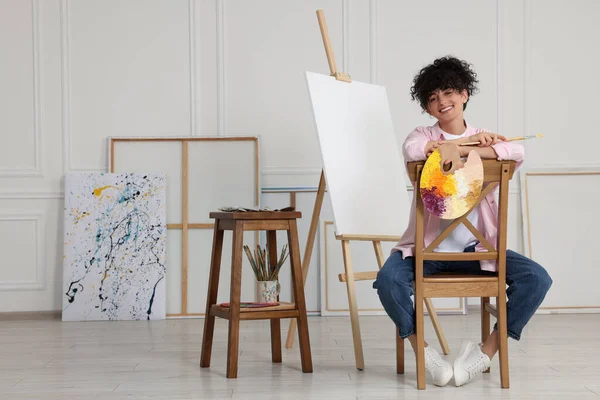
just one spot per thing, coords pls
(450, 196)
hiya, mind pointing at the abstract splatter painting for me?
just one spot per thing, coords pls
(451, 195)
(114, 247)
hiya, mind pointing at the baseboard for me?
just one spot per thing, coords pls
(29, 315)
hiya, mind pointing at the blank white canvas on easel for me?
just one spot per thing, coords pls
(364, 169)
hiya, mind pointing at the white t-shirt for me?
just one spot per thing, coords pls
(460, 237)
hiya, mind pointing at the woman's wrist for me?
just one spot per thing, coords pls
(458, 141)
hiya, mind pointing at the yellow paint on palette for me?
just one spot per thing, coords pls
(449, 196)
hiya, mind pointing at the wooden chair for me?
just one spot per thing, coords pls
(238, 222)
(495, 172)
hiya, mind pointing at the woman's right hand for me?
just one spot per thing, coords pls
(451, 160)
(431, 146)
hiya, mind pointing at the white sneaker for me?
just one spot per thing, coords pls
(438, 369)
(470, 362)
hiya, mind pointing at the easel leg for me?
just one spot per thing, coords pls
(211, 298)
(378, 253)
(436, 325)
(358, 351)
(312, 233)
(298, 289)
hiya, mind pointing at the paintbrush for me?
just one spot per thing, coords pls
(539, 135)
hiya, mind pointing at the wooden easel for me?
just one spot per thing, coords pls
(349, 277)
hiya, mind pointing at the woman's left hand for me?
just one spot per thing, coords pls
(485, 138)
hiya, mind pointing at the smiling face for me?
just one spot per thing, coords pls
(447, 105)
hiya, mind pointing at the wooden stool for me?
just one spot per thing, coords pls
(238, 222)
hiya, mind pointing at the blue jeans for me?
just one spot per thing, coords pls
(527, 281)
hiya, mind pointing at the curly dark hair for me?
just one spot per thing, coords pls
(444, 73)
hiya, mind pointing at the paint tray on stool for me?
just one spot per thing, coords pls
(114, 247)
(263, 209)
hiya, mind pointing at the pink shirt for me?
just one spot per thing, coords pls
(414, 150)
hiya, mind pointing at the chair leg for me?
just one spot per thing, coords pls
(358, 350)
(298, 289)
(485, 322)
(211, 297)
(419, 326)
(234, 299)
(501, 299)
(437, 326)
(503, 342)
(419, 297)
(399, 353)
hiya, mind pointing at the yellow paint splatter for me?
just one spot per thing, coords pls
(98, 191)
(78, 215)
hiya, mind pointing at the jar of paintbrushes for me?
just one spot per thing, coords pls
(266, 272)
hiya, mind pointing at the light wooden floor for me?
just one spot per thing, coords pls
(558, 356)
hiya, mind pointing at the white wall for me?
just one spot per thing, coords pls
(73, 72)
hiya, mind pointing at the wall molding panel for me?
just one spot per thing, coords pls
(39, 242)
(35, 171)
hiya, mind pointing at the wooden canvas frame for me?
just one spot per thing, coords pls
(185, 224)
(527, 222)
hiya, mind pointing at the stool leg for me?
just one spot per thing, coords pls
(276, 340)
(485, 323)
(275, 322)
(234, 299)
(211, 297)
(298, 289)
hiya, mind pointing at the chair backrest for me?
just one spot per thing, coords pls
(495, 173)
(492, 170)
